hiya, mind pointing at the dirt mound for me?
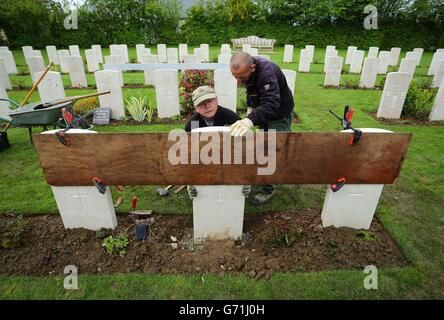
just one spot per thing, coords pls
(279, 242)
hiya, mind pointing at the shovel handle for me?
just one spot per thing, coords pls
(35, 85)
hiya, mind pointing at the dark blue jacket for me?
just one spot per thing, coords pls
(268, 93)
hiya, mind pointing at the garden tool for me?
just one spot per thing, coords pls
(346, 124)
(179, 189)
(163, 191)
(61, 133)
(32, 90)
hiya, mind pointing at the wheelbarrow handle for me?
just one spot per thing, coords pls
(8, 121)
(11, 101)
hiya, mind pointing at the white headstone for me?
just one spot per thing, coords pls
(225, 86)
(116, 50)
(183, 49)
(77, 72)
(113, 59)
(110, 80)
(139, 51)
(74, 51)
(4, 105)
(437, 113)
(393, 95)
(124, 49)
(225, 49)
(146, 52)
(7, 55)
(418, 52)
(98, 50)
(348, 57)
(188, 58)
(305, 58)
(333, 73)
(394, 56)
(218, 210)
(355, 204)
(288, 53)
(52, 54)
(383, 61)
(167, 92)
(172, 56)
(91, 60)
(63, 55)
(84, 207)
(356, 61)
(290, 77)
(439, 75)
(4, 76)
(27, 52)
(411, 55)
(438, 55)
(330, 51)
(51, 87)
(149, 74)
(206, 51)
(199, 55)
(246, 47)
(310, 49)
(368, 75)
(162, 53)
(35, 65)
(224, 58)
(408, 65)
(372, 52)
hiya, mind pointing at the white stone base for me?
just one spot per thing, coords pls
(354, 205)
(84, 207)
(218, 210)
(218, 213)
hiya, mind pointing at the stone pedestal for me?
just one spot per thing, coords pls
(84, 207)
(218, 210)
(353, 205)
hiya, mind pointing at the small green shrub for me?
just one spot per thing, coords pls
(116, 244)
(83, 106)
(419, 100)
(137, 107)
(190, 81)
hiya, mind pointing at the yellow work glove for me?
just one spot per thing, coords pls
(241, 127)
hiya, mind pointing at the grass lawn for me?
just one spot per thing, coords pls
(411, 209)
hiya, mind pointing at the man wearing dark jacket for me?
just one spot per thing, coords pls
(207, 111)
(269, 101)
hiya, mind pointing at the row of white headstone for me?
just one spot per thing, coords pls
(166, 84)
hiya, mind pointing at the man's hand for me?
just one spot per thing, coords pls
(241, 127)
(246, 189)
(192, 192)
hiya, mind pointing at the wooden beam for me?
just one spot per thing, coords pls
(142, 159)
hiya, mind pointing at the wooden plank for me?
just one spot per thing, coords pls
(142, 159)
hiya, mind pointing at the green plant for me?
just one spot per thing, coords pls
(150, 113)
(191, 80)
(419, 100)
(137, 107)
(116, 244)
(84, 105)
(365, 235)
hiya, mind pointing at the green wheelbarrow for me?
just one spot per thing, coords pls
(42, 114)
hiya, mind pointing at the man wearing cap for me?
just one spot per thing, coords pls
(207, 111)
(208, 114)
(269, 101)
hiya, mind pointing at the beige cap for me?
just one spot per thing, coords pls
(203, 93)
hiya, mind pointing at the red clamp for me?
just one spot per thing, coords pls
(99, 185)
(338, 185)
